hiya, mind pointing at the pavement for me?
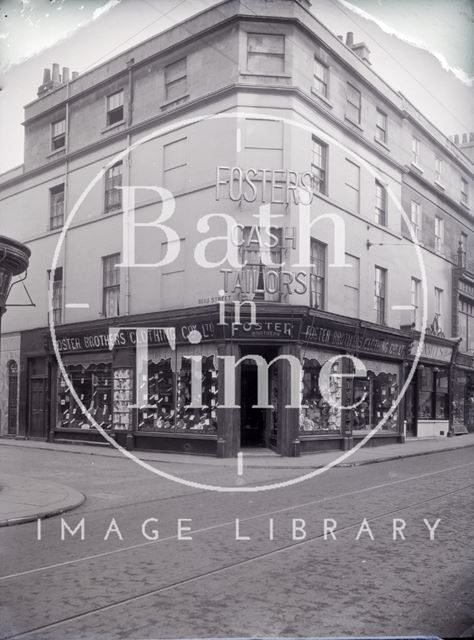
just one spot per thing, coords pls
(25, 499)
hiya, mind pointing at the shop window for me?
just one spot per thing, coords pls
(93, 385)
(265, 53)
(123, 398)
(352, 177)
(261, 281)
(319, 166)
(113, 191)
(321, 77)
(433, 393)
(353, 104)
(316, 414)
(197, 420)
(318, 274)
(115, 111)
(176, 81)
(160, 382)
(58, 135)
(56, 207)
(374, 396)
(111, 285)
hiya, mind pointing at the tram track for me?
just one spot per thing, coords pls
(229, 567)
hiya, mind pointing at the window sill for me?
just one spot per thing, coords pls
(382, 144)
(413, 165)
(175, 101)
(265, 75)
(115, 125)
(354, 124)
(323, 99)
(57, 153)
(107, 212)
(439, 185)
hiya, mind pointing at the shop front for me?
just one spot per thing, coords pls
(427, 398)
(463, 394)
(215, 387)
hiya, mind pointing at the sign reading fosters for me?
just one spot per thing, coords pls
(432, 351)
(351, 340)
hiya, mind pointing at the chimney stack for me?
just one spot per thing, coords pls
(75, 74)
(52, 79)
(360, 49)
(350, 39)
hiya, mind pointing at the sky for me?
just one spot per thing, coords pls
(424, 48)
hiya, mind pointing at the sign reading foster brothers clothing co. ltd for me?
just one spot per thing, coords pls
(351, 339)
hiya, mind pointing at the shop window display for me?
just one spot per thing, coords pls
(160, 396)
(197, 420)
(93, 385)
(374, 396)
(433, 393)
(317, 415)
(123, 398)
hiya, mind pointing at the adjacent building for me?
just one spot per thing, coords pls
(245, 109)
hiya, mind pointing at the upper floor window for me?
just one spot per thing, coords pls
(380, 204)
(380, 285)
(381, 126)
(318, 274)
(415, 301)
(415, 151)
(353, 185)
(57, 294)
(111, 285)
(58, 135)
(352, 286)
(56, 206)
(416, 219)
(464, 191)
(439, 235)
(176, 81)
(463, 242)
(353, 106)
(438, 299)
(321, 77)
(319, 165)
(265, 53)
(113, 193)
(261, 280)
(115, 111)
(438, 169)
(174, 164)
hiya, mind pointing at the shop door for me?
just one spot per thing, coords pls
(255, 424)
(411, 404)
(469, 405)
(12, 397)
(38, 408)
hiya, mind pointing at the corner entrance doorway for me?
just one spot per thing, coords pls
(256, 425)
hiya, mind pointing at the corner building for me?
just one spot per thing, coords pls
(321, 140)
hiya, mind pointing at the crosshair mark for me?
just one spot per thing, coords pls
(240, 464)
